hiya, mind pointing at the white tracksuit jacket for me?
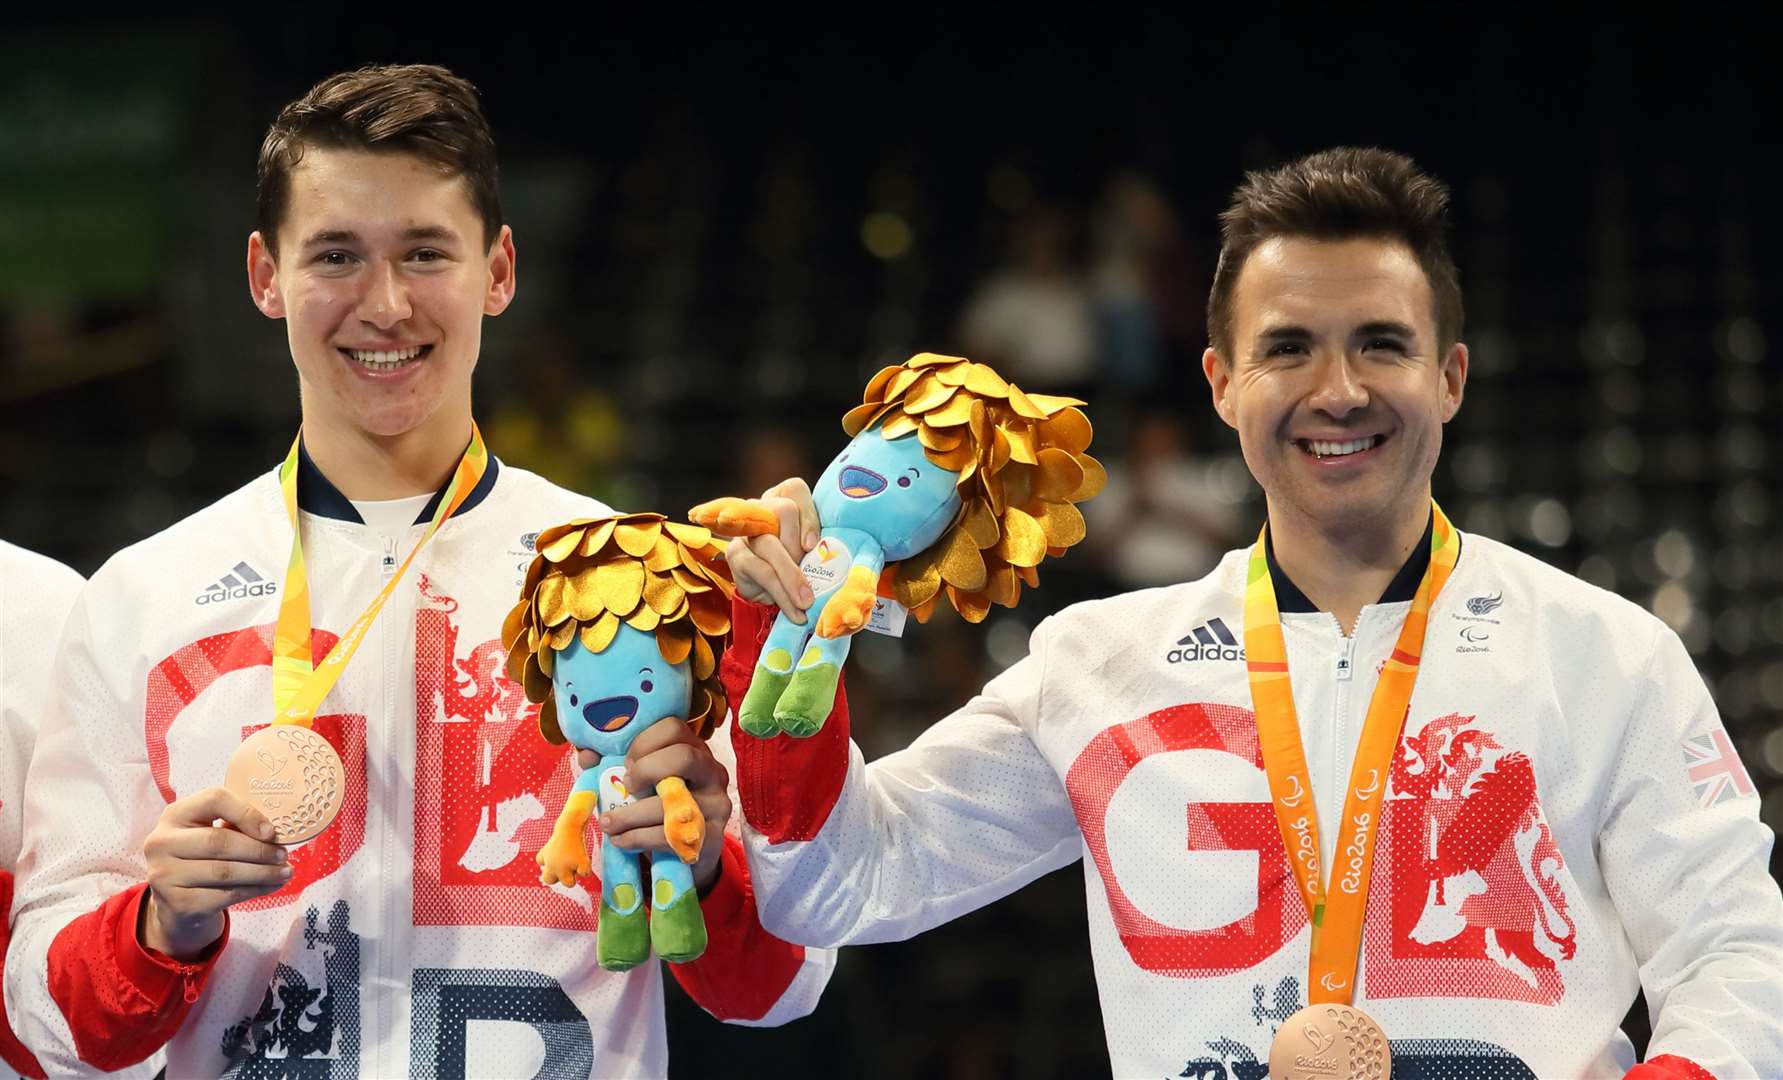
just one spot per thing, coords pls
(415, 939)
(1566, 823)
(35, 595)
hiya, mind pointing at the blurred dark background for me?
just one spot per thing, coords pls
(725, 228)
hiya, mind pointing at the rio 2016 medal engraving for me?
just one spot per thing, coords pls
(293, 776)
(1329, 1042)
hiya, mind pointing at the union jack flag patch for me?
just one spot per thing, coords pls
(1715, 769)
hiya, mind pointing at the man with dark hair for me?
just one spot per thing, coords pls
(412, 937)
(1521, 788)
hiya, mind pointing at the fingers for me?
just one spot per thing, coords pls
(670, 748)
(766, 574)
(227, 876)
(204, 807)
(638, 826)
(805, 526)
(588, 759)
(203, 842)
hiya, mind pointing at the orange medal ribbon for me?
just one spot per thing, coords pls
(1335, 910)
(298, 684)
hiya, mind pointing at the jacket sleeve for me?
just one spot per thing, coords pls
(82, 993)
(12, 1052)
(1685, 858)
(843, 852)
(746, 975)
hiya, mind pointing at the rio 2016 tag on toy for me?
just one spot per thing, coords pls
(956, 484)
(620, 624)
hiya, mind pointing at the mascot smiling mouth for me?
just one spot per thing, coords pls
(859, 483)
(610, 714)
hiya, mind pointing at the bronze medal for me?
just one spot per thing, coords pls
(293, 776)
(1330, 1042)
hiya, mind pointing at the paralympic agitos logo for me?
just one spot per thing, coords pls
(1209, 641)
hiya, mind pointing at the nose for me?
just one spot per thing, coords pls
(385, 302)
(1339, 391)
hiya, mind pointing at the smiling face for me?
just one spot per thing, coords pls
(1339, 387)
(604, 699)
(889, 489)
(383, 279)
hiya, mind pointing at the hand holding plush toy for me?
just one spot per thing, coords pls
(955, 483)
(619, 625)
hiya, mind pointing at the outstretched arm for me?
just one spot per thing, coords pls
(844, 852)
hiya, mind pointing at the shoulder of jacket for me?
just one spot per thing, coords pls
(32, 582)
(1577, 612)
(1143, 614)
(144, 565)
(544, 501)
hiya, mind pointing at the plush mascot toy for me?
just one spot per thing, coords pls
(620, 624)
(956, 483)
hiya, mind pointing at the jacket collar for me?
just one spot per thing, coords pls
(1404, 585)
(316, 494)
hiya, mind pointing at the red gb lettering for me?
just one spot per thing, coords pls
(1241, 827)
(182, 678)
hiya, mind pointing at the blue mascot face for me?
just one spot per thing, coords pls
(604, 699)
(889, 489)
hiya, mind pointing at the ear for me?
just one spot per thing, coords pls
(263, 278)
(1454, 380)
(502, 266)
(1219, 381)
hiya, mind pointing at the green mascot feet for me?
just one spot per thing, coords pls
(757, 714)
(622, 941)
(808, 699)
(677, 931)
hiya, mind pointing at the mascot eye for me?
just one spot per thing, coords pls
(647, 686)
(572, 701)
(904, 481)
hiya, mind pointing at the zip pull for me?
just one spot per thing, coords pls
(388, 565)
(189, 976)
(1345, 663)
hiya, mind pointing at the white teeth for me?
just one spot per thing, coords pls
(1324, 448)
(384, 361)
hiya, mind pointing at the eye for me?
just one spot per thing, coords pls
(1285, 348)
(904, 481)
(646, 686)
(572, 701)
(427, 255)
(1390, 344)
(844, 456)
(334, 258)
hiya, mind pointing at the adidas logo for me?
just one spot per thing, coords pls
(243, 581)
(1209, 641)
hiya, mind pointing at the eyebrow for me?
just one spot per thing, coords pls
(413, 233)
(644, 670)
(1385, 327)
(1284, 333)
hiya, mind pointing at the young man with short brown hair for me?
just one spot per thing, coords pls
(412, 937)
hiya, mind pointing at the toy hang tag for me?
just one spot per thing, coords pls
(888, 617)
